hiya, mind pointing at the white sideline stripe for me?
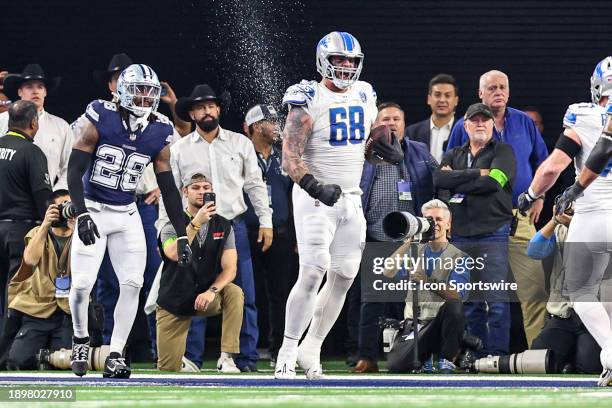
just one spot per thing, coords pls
(356, 378)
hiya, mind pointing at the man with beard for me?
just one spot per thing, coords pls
(229, 161)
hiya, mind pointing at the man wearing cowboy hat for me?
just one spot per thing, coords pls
(229, 161)
(54, 137)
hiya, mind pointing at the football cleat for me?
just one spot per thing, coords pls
(284, 370)
(605, 379)
(116, 367)
(310, 361)
(80, 354)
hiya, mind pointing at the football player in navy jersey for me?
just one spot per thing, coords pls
(113, 149)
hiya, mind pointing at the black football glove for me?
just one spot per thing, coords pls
(390, 153)
(525, 201)
(87, 229)
(328, 194)
(564, 201)
(184, 251)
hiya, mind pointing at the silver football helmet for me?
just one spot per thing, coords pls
(139, 90)
(344, 45)
(601, 80)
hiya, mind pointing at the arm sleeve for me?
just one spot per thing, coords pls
(172, 201)
(600, 155)
(79, 161)
(39, 180)
(539, 247)
(255, 187)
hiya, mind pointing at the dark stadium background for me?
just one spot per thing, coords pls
(255, 48)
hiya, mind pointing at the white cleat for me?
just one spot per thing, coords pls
(605, 379)
(226, 365)
(284, 370)
(310, 362)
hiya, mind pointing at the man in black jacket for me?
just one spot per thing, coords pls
(203, 288)
(479, 175)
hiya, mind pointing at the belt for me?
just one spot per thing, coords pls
(28, 221)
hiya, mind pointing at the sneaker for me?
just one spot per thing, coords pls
(310, 361)
(226, 364)
(189, 366)
(116, 367)
(428, 366)
(79, 357)
(446, 367)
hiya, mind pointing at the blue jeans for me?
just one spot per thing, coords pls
(249, 333)
(488, 316)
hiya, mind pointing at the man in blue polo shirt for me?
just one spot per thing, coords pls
(275, 267)
(519, 131)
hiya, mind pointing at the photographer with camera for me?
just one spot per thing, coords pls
(202, 288)
(574, 348)
(38, 293)
(479, 176)
(440, 308)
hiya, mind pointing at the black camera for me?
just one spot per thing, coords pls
(66, 211)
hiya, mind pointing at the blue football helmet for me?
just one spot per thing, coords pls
(139, 90)
(601, 80)
(344, 45)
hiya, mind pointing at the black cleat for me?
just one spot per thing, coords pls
(80, 353)
(116, 367)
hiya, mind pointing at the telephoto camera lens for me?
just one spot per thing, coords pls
(527, 362)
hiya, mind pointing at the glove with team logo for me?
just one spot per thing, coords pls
(87, 229)
(564, 201)
(328, 194)
(184, 251)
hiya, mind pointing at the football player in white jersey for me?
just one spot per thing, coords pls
(323, 153)
(588, 248)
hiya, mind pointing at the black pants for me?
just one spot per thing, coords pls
(571, 343)
(52, 333)
(442, 336)
(11, 253)
(275, 273)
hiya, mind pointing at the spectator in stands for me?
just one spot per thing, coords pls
(442, 98)
(574, 348)
(386, 189)
(275, 268)
(54, 137)
(39, 290)
(440, 311)
(229, 161)
(4, 100)
(519, 131)
(202, 288)
(480, 175)
(536, 116)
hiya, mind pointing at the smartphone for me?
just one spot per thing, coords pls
(164, 90)
(209, 198)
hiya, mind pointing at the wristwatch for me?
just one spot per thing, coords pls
(214, 289)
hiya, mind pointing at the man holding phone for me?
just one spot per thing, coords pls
(205, 288)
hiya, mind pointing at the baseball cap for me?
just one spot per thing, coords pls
(478, 108)
(260, 112)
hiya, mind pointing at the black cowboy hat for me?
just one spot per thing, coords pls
(200, 93)
(118, 63)
(31, 72)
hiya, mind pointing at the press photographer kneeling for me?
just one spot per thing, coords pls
(38, 293)
(203, 288)
(440, 311)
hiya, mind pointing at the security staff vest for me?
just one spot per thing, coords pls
(430, 302)
(180, 285)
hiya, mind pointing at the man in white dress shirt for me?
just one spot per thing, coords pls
(229, 160)
(54, 137)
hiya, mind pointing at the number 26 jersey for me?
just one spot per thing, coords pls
(121, 156)
(334, 152)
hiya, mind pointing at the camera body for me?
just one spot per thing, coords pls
(66, 211)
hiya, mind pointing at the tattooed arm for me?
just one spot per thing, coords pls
(298, 129)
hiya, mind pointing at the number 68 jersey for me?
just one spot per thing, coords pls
(121, 156)
(334, 153)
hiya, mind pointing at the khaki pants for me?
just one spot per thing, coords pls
(172, 330)
(529, 276)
